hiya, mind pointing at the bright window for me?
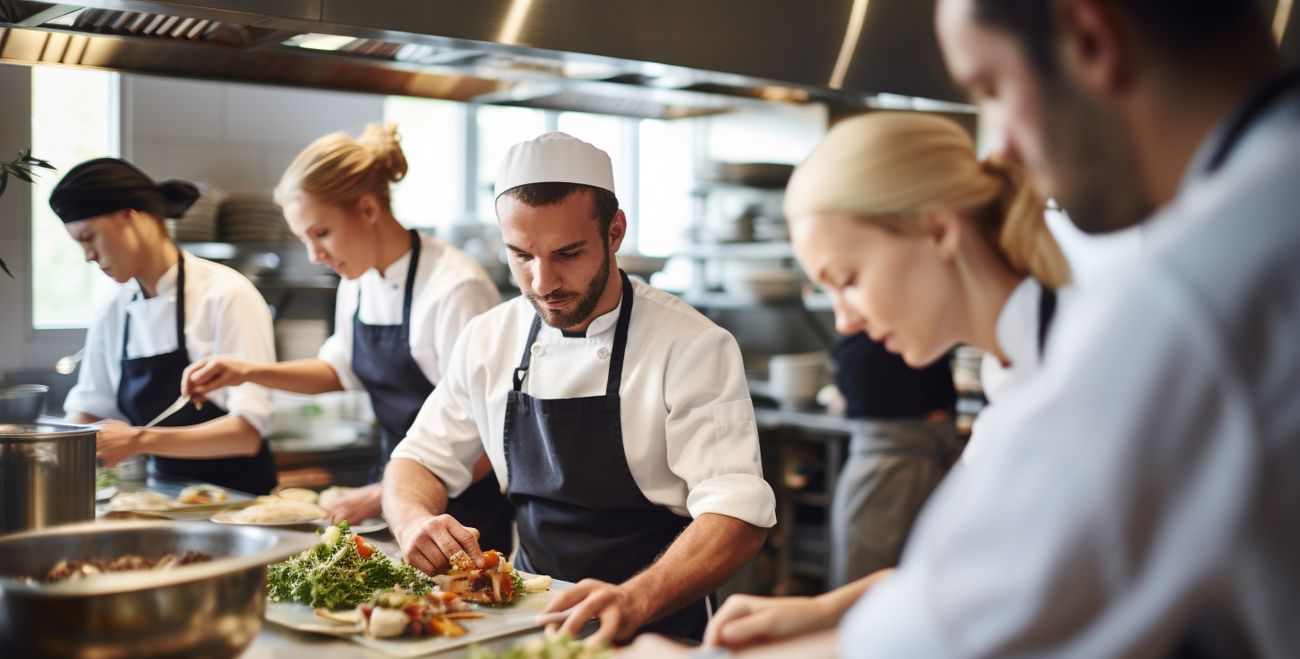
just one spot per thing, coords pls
(431, 194)
(666, 176)
(500, 128)
(74, 118)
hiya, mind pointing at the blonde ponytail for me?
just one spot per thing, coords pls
(1022, 234)
(339, 170)
(889, 168)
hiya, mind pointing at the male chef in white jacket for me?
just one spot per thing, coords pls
(616, 416)
(1143, 499)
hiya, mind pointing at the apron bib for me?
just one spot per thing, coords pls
(150, 384)
(381, 358)
(580, 513)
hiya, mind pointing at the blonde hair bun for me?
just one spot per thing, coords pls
(338, 169)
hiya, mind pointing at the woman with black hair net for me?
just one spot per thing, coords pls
(172, 308)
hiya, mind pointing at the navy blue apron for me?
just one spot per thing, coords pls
(150, 384)
(381, 358)
(580, 513)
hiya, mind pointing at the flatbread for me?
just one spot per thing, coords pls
(141, 500)
(281, 511)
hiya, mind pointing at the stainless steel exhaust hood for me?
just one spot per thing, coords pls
(643, 58)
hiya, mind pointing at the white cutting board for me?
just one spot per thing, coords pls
(497, 622)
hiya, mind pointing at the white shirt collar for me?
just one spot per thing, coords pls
(166, 283)
(1018, 323)
(603, 323)
(395, 273)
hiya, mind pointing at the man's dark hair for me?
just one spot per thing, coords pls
(1183, 30)
(537, 195)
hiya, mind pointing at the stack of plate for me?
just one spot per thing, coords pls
(252, 218)
(199, 223)
(795, 379)
(763, 285)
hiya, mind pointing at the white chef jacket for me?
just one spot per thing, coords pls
(1146, 483)
(688, 421)
(224, 315)
(1017, 334)
(450, 288)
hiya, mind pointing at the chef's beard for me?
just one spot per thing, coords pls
(564, 320)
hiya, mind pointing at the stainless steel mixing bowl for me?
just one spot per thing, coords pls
(211, 609)
(22, 403)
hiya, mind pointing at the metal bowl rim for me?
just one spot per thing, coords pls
(30, 432)
(15, 390)
(288, 543)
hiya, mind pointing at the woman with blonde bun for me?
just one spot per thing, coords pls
(924, 247)
(403, 301)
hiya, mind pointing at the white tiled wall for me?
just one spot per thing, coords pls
(238, 137)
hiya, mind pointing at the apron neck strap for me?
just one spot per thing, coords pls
(180, 307)
(615, 357)
(620, 338)
(409, 293)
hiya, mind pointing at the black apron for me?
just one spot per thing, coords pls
(580, 513)
(150, 384)
(381, 358)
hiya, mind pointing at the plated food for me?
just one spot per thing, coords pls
(560, 646)
(273, 511)
(495, 583)
(339, 572)
(141, 500)
(394, 613)
(198, 495)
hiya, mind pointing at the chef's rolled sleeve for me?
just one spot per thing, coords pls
(244, 330)
(712, 439)
(95, 393)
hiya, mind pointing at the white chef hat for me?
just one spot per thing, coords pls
(555, 158)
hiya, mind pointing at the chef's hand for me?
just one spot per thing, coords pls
(654, 646)
(619, 611)
(360, 504)
(116, 441)
(427, 542)
(208, 375)
(745, 620)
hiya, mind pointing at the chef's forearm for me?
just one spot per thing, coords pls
(303, 376)
(411, 491)
(224, 437)
(706, 554)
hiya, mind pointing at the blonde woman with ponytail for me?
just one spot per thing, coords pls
(924, 247)
(402, 303)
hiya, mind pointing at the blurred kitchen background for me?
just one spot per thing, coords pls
(703, 124)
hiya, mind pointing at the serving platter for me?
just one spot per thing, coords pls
(520, 616)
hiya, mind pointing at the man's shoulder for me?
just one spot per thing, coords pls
(669, 315)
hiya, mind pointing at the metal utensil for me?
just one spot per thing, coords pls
(171, 409)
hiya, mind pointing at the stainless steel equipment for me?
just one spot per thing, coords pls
(22, 403)
(649, 58)
(47, 475)
(211, 609)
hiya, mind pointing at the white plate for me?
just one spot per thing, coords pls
(228, 517)
(369, 525)
(233, 500)
(503, 621)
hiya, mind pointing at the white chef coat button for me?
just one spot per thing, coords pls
(537, 350)
(603, 353)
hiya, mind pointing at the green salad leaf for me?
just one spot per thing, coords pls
(560, 646)
(332, 574)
